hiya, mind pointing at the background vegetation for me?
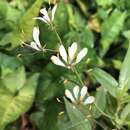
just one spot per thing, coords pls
(32, 88)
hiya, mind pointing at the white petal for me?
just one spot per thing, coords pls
(46, 18)
(53, 12)
(83, 92)
(81, 55)
(36, 36)
(34, 46)
(44, 11)
(89, 100)
(71, 51)
(68, 94)
(45, 14)
(42, 19)
(57, 61)
(63, 53)
(76, 92)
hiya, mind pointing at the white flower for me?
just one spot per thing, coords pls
(45, 15)
(70, 58)
(36, 43)
(79, 96)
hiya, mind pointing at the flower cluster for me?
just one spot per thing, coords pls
(70, 58)
(45, 15)
(78, 96)
(67, 59)
(36, 43)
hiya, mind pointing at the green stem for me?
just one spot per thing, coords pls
(51, 50)
(77, 75)
(103, 113)
(54, 29)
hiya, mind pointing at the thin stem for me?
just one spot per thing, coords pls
(54, 29)
(51, 50)
(103, 113)
(98, 123)
(77, 74)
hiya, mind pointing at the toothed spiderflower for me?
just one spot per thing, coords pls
(36, 43)
(70, 58)
(45, 15)
(78, 96)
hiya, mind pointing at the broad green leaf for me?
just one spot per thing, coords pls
(104, 3)
(86, 38)
(106, 80)
(125, 112)
(49, 84)
(47, 90)
(117, 64)
(64, 124)
(61, 18)
(38, 118)
(49, 122)
(75, 19)
(9, 62)
(3, 5)
(27, 22)
(124, 76)
(13, 14)
(111, 28)
(15, 80)
(127, 34)
(78, 120)
(14, 105)
(23, 32)
(100, 101)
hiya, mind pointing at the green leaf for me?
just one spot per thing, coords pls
(104, 3)
(3, 10)
(100, 101)
(78, 120)
(15, 80)
(106, 80)
(125, 112)
(12, 106)
(49, 122)
(9, 62)
(61, 18)
(86, 38)
(124, 76)
(111, 28)
(27, 22)
(127, 34)
(24, 30)
(38, 118)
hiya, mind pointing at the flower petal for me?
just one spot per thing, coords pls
(81, 55)
(53, 12)
(63, 53)
(76, 92)
(57, 61)
(34, 46)
(36, 36)
(68, 94)
(45, 14)
(71, 51)
(89, 100)
(42, 19)
(47, 19)
(83, 93)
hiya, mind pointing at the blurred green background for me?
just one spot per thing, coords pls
(30, 84)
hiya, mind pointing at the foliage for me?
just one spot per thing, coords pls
(32, 88)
